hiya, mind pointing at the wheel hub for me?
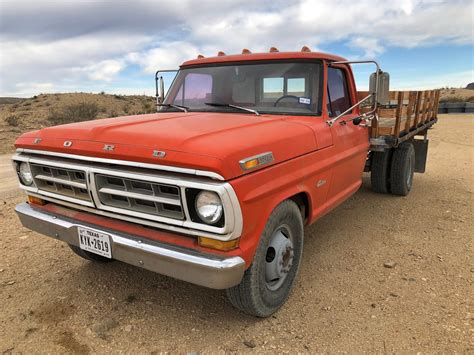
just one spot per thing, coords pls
(279, 260)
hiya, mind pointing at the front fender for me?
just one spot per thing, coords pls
(259, 193)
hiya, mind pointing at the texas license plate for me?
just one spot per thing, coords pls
(95, 242)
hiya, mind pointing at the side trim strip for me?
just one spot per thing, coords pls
(196, 172)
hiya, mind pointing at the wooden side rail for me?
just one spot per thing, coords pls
(406, 111)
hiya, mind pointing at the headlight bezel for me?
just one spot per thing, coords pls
(21, 174)
(192, 195)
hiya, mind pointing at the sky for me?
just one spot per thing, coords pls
(116, 46)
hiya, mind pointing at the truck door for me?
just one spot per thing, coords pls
(351, 142)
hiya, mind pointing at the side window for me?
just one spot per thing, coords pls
(338, 93)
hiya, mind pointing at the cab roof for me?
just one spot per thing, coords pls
(247, 56)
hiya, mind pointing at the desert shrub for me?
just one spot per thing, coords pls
(27, 103)
(102, 93)
(126, 108)
(12, 120)
(147, 107)
(73, 113)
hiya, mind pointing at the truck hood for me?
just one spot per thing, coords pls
(199, 140)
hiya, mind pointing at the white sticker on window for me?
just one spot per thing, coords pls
(305, 100)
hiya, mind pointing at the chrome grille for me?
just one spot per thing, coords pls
(62, 181)
(146, 197)
(148, 194)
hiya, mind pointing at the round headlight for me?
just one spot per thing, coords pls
(25, 175)
(209, 206)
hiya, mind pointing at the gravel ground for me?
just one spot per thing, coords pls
(379, 274)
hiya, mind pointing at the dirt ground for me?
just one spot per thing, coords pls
(345, 299)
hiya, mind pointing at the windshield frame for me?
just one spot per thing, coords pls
(317, 113)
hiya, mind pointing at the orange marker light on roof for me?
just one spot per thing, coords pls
(246, 51)
(220, 54)
(200, 56)
(305, 49)
(274, 50)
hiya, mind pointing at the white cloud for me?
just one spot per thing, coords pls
(105, 70)
(73, 44)
(371, 46)
(169, 56)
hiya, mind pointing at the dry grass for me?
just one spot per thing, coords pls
(456, 95)
(22, 115)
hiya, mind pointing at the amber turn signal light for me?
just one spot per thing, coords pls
(250, 164)
(36, 200)
(218, 244)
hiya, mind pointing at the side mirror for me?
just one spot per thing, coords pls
(161, 96)
(160, 83)
(380, 85)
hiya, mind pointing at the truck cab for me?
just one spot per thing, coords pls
(215, 188)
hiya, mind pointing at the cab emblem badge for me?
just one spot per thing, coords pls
(37, 141)
(67, 143)
(159, 154)
(108, 147)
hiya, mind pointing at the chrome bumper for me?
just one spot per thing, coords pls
(184, 264)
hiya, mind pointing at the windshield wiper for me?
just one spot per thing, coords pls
(179, 107)
(234, 106)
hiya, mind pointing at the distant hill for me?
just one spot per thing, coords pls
(19, 115)
(9, 100)
(470, 86)
(456, 95)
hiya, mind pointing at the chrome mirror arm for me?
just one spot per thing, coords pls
(374, 94)
(333, 120)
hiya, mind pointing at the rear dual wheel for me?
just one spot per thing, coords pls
(392, 170)
(403, 169)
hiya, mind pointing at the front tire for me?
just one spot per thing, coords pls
(267, 283)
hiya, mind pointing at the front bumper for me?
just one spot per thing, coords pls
(184, 264)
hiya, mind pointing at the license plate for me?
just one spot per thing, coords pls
(95, 242)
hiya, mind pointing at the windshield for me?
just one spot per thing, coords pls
(275, 87)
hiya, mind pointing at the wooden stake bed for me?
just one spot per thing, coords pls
(409, 113)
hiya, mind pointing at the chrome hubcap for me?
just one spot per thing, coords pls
(279, 259)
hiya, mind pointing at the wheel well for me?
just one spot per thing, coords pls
(301, 199)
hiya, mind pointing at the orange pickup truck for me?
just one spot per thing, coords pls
(215, 188)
